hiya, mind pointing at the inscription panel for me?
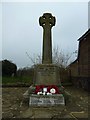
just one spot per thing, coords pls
(46, 100)
(46, 75)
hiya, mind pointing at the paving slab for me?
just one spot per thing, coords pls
(42, 112)
(12, 99)
(81, 114)
(27, 114)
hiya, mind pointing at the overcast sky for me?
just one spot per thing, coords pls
(21, 32)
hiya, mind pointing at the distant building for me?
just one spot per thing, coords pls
(79, 70)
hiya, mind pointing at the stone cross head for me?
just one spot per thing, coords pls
(47, 20)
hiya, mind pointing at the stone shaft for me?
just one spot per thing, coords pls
(47, 21)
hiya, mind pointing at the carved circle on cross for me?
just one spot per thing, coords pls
(47, 20)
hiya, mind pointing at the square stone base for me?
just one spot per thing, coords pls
(46, 74)
(46, 100)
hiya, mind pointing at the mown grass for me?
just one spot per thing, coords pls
(24, 80)
(17, 80)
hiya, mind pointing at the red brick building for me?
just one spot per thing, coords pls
(79, 70)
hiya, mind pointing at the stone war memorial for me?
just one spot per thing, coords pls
(46, 89)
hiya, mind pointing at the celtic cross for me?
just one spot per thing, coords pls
(47, 21)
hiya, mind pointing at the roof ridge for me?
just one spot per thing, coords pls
(84, 35)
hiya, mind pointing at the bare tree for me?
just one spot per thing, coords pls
(59, 58)
(35, 60)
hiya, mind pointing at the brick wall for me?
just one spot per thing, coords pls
(80, 68)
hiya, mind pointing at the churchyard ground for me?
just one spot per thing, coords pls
(14, 107)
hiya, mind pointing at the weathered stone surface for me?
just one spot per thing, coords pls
(47, 100)
(47, 21)
(81, 114)
(47, 74)
(31, 90)
(10, 96)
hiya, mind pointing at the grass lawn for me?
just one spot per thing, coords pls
(23, 80)
(17, 80)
